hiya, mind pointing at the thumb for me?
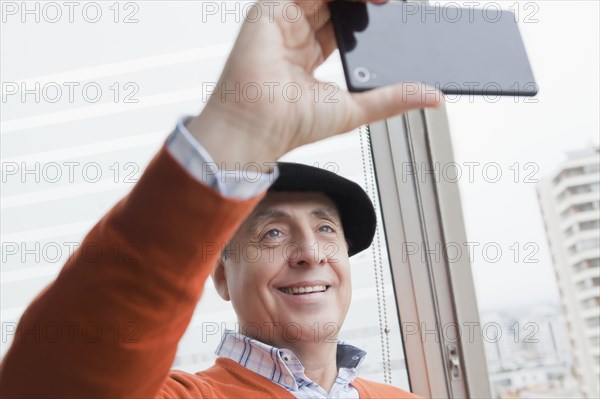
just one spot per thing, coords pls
(385, 102)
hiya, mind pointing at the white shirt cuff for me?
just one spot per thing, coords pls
(245, 183)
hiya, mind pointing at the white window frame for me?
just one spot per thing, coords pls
(429, 289)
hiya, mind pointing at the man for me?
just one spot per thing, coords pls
(287, 274)
(122, 302)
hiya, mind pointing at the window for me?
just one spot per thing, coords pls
(589, 225)
(593, 322)
(582, 226)
(589, 283)
(568, 173)
(515, 284)
(592, 168)
(577, 208)
(580, 189)
(582, 245)
(159, 75)
(587, 264)
(422, 215)
(577, 171)
(590, 303)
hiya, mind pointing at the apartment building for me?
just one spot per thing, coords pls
(570, 204)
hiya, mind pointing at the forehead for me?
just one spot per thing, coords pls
(294, 204)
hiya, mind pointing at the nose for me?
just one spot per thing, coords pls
(307, 250)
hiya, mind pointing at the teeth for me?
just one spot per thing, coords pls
(303, 290)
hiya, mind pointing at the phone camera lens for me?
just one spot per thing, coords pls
(362, 74)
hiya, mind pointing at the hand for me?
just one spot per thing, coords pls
(278, 51)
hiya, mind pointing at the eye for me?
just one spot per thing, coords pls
(273, 233)
(327, 229)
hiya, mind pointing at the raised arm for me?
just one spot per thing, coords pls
(124, 299)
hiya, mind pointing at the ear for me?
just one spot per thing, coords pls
(219, 277)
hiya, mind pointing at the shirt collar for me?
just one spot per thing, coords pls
(281, 365)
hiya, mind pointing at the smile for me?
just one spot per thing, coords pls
(304, 290)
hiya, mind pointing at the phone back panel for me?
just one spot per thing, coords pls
(457, 50)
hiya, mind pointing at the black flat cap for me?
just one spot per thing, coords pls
(355, 208)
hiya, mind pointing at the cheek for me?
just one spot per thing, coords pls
(254, 275)
(342, 271)
(347, 295)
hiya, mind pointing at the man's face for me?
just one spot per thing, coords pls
(287, 271)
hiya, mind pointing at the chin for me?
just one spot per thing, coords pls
(311, 329)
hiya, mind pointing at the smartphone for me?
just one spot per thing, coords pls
(457, 50)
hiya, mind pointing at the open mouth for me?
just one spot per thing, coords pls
(314, 289)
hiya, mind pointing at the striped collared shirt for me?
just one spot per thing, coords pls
(284, 368)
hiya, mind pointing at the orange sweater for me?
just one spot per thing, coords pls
(109, 325)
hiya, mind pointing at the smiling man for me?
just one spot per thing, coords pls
(287, 274)
(109, 324)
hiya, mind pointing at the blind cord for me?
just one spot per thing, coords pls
(370, 188)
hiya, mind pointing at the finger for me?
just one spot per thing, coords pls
(390, 101)
(316, 12)
(326, 39)
(325, 33)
